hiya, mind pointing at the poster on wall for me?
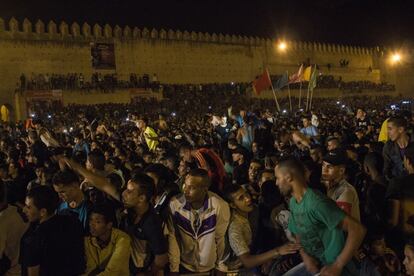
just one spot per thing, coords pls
(103, 55)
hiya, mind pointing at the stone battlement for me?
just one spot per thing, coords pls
(26, 30)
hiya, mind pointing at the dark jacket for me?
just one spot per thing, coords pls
(393, 159)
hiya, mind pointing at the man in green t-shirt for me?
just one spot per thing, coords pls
(318, 224)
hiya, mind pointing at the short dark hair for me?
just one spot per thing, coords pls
(105, 210)
(398, 121)
(229, 191)
(293, 164)
(374, 160)
(145, 183)
(409, 153)
(65, 178)
(257, 161)
(232, 141)
(97, 159)
(3, 192)
(201, 173)
(144, 119)
(44, 197)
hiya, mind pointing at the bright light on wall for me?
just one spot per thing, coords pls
(395, 58)
(282, 46)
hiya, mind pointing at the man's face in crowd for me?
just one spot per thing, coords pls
(141, 124)
(169, 163)
(32, 213)
(236, 157)
(88, 164)
(331, 172)
(231, 146)
(67, 193)
(131, 195)
(316, 155)
(94, 145)
(360, 114)
(98, 225)
(359, 134)
(185, 154)
(254, 171)
(194, 189)
(305, 122)
(378, 247)
(266, 176)
(39, 172)
(282, 182)
(242, 201)
(77, 140)
(409, 260)
(394, 132)
(255, 147)
(332, 144)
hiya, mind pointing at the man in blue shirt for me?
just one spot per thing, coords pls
(308, 129)
(74, 202)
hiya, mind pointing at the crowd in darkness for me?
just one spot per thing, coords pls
(208, 180)
(110, 82)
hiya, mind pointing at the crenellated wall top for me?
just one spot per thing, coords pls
(86, 32)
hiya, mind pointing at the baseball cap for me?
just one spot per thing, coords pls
(336, 157)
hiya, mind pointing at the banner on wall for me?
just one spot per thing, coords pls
(54, 95)
(103, 55)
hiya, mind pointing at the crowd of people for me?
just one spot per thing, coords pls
(111, 82)
(330, 82)
(209, 182)
(78, 81)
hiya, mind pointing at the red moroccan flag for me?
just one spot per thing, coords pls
(262, 83)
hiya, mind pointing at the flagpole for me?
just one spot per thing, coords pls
(290, 98)
(307, 99)
(310, 102)
(274, 95)
(311, 97)
(273, 90)
(300, 93)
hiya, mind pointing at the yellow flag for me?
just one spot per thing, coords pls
(383, 136)
(307, 73)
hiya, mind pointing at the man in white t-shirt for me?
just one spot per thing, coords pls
(338, 189)
(12, 228)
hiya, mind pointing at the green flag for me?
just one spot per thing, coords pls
(312, 80)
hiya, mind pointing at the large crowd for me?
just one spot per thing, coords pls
(111, 82)
(209, 182)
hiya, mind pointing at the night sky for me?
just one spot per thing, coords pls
(355, 22)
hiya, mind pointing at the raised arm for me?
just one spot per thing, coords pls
(97, 181)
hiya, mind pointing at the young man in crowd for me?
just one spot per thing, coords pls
(144, 226)
(12, 228)
(338, 189)
(253, 185)
(199, 222)
(148, 133)
(241, 166)
(308, 129)
(107, 249)
(240, 233)
(394, 148)
(74, 202)
(49, 237)
(329, 237)
(400, 195)
(80, 146)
